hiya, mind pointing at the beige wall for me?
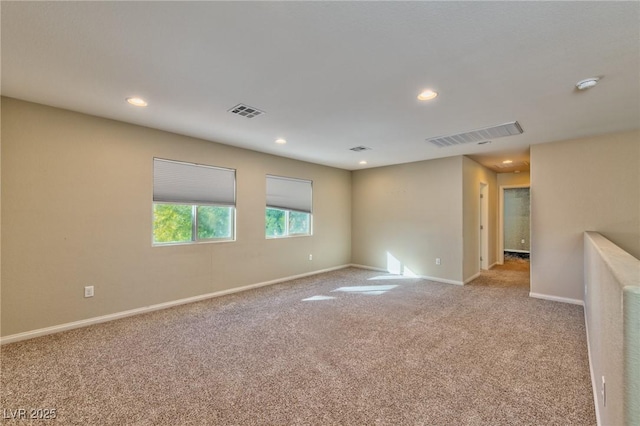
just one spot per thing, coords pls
(76, 211)
(522, 178)
(588, 184)
(473, 175)
(413, 212)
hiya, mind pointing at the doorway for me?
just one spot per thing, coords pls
(515, 223)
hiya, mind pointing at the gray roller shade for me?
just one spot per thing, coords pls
(289, 194)
(176, 182)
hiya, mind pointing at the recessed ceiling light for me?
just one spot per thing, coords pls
(427, 95)
(281, 141)
(363, 162)
(507, 162)
(137, 102)
(587, 83)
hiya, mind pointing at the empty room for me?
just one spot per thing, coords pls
(320, 213)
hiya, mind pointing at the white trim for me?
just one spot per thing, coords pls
(516, 251)
(557, 298)
(593, 378)
(483, 228)
(118, 315)
(494, 264)
(471, 278)
(424, 277)
(441, 280)
(371, 268)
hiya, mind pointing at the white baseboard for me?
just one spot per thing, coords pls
(557, 299)
(442, 280)
(371, 268)
(594, 388)
(471, 278)
(494, 264)
(424, 277)
(118, 315)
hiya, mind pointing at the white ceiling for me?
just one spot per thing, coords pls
(334, 75)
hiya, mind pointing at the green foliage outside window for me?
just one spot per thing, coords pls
(214, 222)
(173, 223)
(282, 223)
(275, 223)
(299, 223)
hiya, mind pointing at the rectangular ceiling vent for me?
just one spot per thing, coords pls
(359, 148)
(246, 111)
(511, 165)
(479, 135)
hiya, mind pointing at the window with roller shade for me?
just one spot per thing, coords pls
(289, 207)
(192, 203)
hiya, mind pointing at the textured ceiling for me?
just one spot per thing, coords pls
(334, 75)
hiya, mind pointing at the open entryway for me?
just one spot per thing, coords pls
(514, 225)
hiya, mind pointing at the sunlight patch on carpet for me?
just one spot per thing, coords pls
(374, 290)
(393, 277)
(314, 298)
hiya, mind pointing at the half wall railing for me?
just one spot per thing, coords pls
(612, 315)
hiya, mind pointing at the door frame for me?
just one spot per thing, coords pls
(484, 226)
(501, 219)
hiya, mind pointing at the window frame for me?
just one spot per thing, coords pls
(195, 239)
(232, 224)
(194, 226)
(279, 190)
(287, 233)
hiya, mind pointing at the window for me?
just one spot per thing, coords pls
(288, 211)
(192, 203)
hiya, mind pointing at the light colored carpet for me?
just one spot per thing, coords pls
(514, 263)
(403, 352)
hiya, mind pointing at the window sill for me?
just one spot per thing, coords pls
(193, 243)
(280, 237)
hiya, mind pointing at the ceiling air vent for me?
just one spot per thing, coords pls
(246, 111)
(359, 148)
(479, 135)
(511, 165)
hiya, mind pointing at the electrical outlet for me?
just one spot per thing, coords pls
(437, 260)
(522, 241)
(604, 393)
(88, 291)
(310, 257)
